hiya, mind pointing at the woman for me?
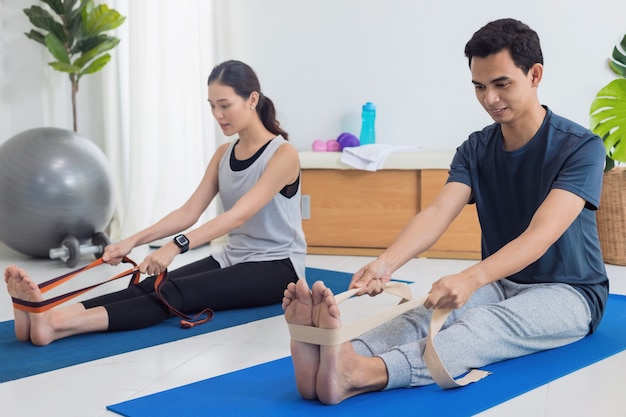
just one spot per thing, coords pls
(258, 179)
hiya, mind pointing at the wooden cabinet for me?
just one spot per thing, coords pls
(462, 239)
(358, 209)
(355, 212)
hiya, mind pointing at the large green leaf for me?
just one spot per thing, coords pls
(86, 5)
(618, 58)
(608, 118)
(56, 6)
(63, 67)
(36, 36)
(75, 21)
(101, 19)
(68, 7)
(72, 20)
(99, 49)
(91, 42)
(74, 25)
(56, 48)
(42, 19)
(96, 65)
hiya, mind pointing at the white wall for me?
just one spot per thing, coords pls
(320, 60)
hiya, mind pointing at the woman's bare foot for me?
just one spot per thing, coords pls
(22, 287)
(299, 304)
(44, 328)
(342, 373)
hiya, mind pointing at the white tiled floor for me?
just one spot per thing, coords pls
(84, 390)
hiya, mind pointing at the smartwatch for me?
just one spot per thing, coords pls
(182, 242)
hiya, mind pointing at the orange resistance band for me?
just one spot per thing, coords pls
(41, 306)
(187, 321)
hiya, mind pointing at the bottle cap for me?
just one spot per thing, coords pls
(369, 106)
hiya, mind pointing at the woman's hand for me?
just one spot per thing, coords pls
(159, 260)
(115, 252)
(372, 278)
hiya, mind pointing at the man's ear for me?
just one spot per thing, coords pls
(536, 73)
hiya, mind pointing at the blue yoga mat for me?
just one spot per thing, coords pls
(269, 389)
(27, 360)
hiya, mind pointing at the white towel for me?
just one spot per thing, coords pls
(372, 157)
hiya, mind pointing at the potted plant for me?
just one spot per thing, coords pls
(75, 37)
(608, 120)
(60, 183)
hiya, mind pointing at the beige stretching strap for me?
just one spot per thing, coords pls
(334, 337)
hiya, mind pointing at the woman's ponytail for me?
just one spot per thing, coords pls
(267, 113)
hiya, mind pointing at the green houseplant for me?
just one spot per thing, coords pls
(74, 33)
(608, 120)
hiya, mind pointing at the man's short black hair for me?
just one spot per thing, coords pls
(521, 41)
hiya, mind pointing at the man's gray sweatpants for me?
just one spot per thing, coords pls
(501, 321)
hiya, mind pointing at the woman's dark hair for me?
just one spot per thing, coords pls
(521, 41)
(244, 81)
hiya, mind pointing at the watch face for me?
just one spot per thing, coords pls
(181, 240)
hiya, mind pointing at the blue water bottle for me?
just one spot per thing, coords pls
(368, 116)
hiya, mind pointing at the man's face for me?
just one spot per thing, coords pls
(502, 88)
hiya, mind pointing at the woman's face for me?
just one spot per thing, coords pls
(232, 112)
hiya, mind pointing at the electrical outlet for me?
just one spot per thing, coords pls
(306, 207)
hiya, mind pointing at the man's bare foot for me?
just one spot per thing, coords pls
(299, 304)
(342, 373)
(22, 287)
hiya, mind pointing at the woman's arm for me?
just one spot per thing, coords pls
(177, 220)
(282, 169)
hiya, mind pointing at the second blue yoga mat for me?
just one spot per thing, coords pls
(269, 389)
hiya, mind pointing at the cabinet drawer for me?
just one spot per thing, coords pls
(360, 209)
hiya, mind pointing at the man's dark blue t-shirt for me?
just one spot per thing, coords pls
(508, 188)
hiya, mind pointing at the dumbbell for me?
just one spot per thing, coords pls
(71, 250)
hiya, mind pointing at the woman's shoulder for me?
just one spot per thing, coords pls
(285, 149)
(218, 155)
(221, 150)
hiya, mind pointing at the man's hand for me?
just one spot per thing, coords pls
(451, 291)
(372, 278)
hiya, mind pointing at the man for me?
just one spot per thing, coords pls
(535, 178)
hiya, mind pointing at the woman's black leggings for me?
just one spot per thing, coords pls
(194, 287)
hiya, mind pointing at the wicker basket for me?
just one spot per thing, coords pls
(612, 217)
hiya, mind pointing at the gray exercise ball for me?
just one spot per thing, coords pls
(53, 184)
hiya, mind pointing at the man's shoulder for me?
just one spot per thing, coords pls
(480, 140)
(571, 136)
(483, 136)
(487, 131)
(567, 126)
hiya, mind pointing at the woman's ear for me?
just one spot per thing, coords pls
(253, 99)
